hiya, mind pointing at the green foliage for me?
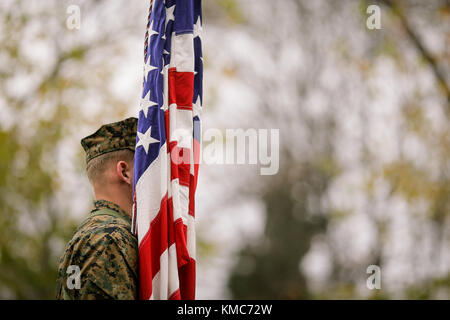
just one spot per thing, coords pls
(27, 263)
(223, 12)
(35, 223)
(232, 9)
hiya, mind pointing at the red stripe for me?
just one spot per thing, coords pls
(180, 163)
(192, 187)
(181, 88)
(163, 232)
(180, 241)
(176, 295)
(157, 239)
(145, 270)
(184, 172)
(187, 280)
(193, 178)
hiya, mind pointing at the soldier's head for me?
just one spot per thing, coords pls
(109, 161)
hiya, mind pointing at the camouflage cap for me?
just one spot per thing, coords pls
(111, 137)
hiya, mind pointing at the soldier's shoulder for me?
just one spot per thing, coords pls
(101, 246)
(97, 227)
(98, 233)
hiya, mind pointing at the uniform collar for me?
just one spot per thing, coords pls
(104, 204)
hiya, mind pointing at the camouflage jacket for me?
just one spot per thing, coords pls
(100, 261)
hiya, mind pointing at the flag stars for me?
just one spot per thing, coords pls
(198, 28)
(147, 68)
(145, 139)
(169, 14)
(146, 103)
(151, 32)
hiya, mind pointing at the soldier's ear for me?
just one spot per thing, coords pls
(124, 172)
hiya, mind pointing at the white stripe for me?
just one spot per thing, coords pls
(180, 200)
(169, 179)
(160, 280)
(174, 282)
(184, 203)
(191, 237)
(166, 87)
(149, 192)
(181, 126)
(175, 199)
(192, 164)
(166, 282)
(182, 52)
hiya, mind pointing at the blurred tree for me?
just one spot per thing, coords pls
(48, 73)
(270, 266)
(270, 269)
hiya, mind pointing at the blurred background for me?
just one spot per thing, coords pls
(363, 115)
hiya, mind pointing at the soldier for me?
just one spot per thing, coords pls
(101, 259)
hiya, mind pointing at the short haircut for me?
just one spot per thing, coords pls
(98, 165)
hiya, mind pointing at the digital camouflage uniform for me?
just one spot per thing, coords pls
(103, 247)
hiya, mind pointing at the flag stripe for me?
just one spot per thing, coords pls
(153, 193)
(181, 88)
(168, 149)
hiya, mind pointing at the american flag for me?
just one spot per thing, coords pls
(167, 150)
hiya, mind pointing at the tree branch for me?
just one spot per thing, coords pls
(415, 39)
